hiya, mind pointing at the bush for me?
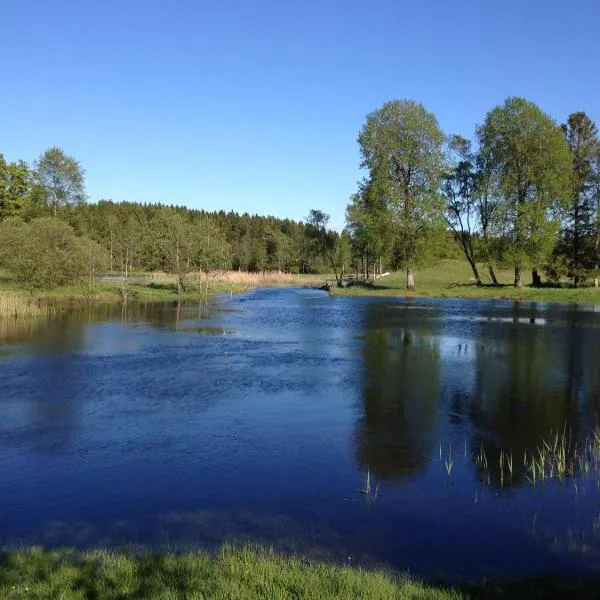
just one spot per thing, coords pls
(44, 253)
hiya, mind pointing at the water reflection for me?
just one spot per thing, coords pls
(322, 422)
(401, 392)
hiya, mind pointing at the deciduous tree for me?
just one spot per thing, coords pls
(401, 146)
(530, 159)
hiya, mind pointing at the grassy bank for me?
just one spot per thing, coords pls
(454, 279)
(15, 302)
(237, 574)
(232, 573)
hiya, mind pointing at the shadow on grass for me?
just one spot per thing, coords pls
(164, 287)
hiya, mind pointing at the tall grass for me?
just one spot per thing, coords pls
(241, 278)
(16, 306)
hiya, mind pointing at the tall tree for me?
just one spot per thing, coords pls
(401, 146)
(458, 186)
(527, 152)
(581, 134)
(60, 179)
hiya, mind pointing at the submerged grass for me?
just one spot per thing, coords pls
(556, 458)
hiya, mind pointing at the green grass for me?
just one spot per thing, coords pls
(239, 573)
(454, 279)
(233, 573)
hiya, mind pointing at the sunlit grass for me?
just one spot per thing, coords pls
(454, 279)
(233, 573)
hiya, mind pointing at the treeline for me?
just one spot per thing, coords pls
(50, 235)
(524, 194)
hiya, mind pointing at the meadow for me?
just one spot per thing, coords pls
(454, 279)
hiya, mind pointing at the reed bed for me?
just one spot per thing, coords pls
(263, 278)
(14, 306)
(557, 458)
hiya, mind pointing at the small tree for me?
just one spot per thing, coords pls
(458, 186)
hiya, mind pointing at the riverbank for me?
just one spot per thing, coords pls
(449, 279)
(241, 574)
(15, 302)
(454, 279)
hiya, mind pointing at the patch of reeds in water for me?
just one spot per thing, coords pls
(17, 306)
(556, 459)
(242, 278)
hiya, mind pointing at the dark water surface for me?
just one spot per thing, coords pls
(260, 418)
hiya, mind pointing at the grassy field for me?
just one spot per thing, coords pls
(237, 574)
(454, 279)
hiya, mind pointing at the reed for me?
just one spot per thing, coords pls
(241, 278)
(17, 306)
(370, 492)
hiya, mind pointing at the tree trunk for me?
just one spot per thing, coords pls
(410, 280)
(492, 274)
(535, 278)
(518, 278)
(475, 271)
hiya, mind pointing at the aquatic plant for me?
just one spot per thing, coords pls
(17, 305)
(371, 493)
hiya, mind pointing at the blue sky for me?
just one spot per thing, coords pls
(256, 106)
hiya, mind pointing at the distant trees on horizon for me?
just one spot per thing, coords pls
(524, 193)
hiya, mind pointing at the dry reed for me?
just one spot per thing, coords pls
(17, 306)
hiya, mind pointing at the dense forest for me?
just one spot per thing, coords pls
(524, 193)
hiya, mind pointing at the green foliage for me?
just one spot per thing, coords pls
(60, 180)
(333, 247)
(529, 163)
(14, 186)
(401, 146)
(43, 253)
(579, 224)
(459, 185)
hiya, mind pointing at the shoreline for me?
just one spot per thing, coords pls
(250, 572)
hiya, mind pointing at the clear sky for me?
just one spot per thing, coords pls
(256, 105)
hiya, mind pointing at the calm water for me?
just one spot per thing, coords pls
(259, 418)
